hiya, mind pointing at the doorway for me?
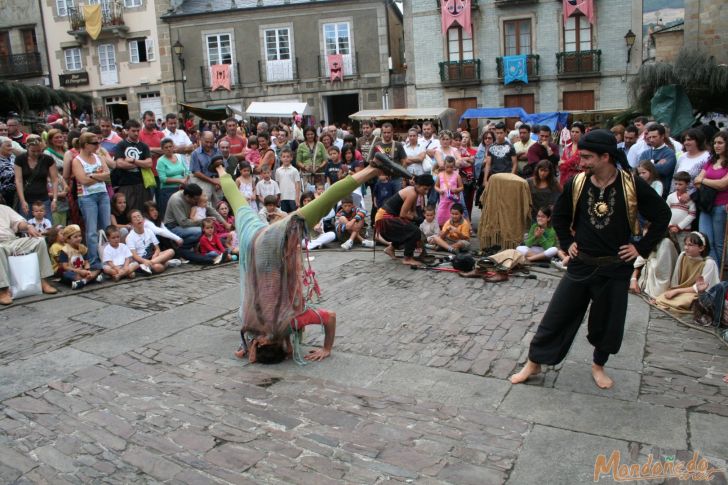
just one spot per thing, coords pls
(338, 108)
(460, 105)
(117, 108)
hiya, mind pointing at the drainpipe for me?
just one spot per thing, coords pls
(45, 41)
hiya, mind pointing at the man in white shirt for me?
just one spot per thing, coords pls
(182, 142)
(415, 153)
(633, 156)
(429, 142)
(333, 131)
(523, 144)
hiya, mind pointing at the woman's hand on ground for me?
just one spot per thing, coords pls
(317, 354)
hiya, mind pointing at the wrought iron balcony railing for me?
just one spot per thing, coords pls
(460, 72)
(20, 65)
(579, 63)
(532, 63)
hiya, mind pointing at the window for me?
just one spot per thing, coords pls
(337, 40)
(132, 3)
(141, 50)
(459, 45)
(220, 51)
(30, 44)
(73, 59)
(62, 7)
(579, 100)
(577, 34)
(105, 7)
(279, 66)
(517, 37)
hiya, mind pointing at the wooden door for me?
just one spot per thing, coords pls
(578, 100)
(30, 43)
(525, 101)
(460, 105)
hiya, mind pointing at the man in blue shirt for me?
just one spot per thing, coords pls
(660, 154)
(199, 167)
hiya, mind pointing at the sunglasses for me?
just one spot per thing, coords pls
(92, 142)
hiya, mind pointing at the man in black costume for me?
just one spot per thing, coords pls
(596, 220)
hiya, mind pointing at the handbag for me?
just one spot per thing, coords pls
(24, 275)
(704, 198)
(148, 178)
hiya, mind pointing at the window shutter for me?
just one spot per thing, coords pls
(134, 52)
(150, 49)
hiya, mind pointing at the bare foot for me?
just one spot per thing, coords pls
(601, 378)
(530, 369)
(411, 262)
(389, 251)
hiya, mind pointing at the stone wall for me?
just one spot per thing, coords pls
(705, 25)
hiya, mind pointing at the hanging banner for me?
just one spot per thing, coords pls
(455, 12)
(336, 67)
(92, 18)
(584, 7)
(515, 68)
(220, 74)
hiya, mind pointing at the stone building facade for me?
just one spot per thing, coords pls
(277, 51)
(574, 67)
(23, 53)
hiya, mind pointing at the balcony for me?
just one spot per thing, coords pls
(579, 64)
(513, 3)
(278, 72)
(112, 22)
(350, 67)
(20, 65)
(532, 64)
(473, 5)
(460, 72)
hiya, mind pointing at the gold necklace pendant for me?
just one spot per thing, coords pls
(601, 208)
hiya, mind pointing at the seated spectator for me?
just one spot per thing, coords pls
(199, 211)
(144, 246)
(119, 216)
(270, 212)
(429, 227)
(694, 268)
(541, 243)
(39, 221)
(210, 245)
(652, 276)
(266, 186)
(177, 218)
(153, 222)
(12, 223)
(350, 220)
(682, 207)
(73, 260)
(455, 234)
(117, 259)
(318, 236)
(544, 187)
(54, 243)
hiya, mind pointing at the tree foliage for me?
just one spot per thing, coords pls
(703, 79)
(22, 98)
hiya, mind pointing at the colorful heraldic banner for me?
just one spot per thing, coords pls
(336, 67)
(220, 76)
(92, 17)
(515, 68)
(456, 12)
(584, 7)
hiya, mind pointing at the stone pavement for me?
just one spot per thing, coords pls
(136, 383)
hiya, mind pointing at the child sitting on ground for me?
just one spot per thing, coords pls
(318, 236)
(270, 212)
(210, 244)
(350, 220)
(199, 211)
(39, 221)
(455, 233)
(144, 246)
(54, 242)
(246, 185)
(117, 257)
(541, 243)
(73, 263)
(682, 208)
(266, 186)
(119, 216)
(429, 227)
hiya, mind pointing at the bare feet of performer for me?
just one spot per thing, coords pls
(602, 380)
(530, 369)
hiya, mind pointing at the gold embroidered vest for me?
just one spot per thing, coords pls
(630, 198)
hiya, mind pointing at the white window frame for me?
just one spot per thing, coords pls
(206, 36)
(585, 34)
(132, 3)
(278, 65)
(349, 56)
(460, 45)
(74, 66)
(133, 46)
(62, 7)
(105, 6)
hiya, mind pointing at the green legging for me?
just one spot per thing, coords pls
(312, 213)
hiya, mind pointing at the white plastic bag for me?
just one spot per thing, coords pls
(24, 275)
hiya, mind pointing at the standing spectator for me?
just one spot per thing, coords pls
(109, 138)
(486, 140)
(365, 141)
(544, 149)
(523, 144)
(661, 155)
(199, 167)
(230, 161)
(571, 158)
(429, 142)
(56, 149)
(501, 156)
(310, 157)
(267, 187)
(633, 156)
(15, 133)
(629, 138)
(152, 137)
(267, 155)
(172, 171)
(415, 153)
(694, 158)
(182, 143)
(682, 207)
(32, 170)
(131, 156)
(238, 144)
(715, 176)
(91, 174)
(390, 147)
(289, 181)
(297, 129)
(7, 171)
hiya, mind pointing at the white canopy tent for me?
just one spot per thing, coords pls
(445, 117)
(277, 109)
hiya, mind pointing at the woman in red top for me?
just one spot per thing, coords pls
(467, 170)
(210, 244)
(571, 158)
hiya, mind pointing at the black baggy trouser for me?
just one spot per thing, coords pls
(560, 323)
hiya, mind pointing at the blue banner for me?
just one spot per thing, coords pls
(515, 68)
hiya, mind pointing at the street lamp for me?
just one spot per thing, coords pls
(179, 49)
(629, 40)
